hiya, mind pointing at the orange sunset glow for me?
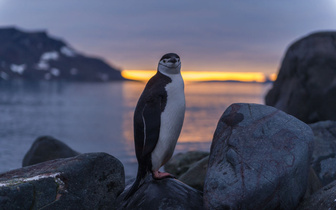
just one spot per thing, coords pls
(200, 76)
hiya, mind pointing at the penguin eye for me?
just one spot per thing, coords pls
(164, 61)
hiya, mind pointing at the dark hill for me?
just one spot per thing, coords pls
(37, 56)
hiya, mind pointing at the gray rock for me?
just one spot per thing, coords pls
(325, 198)
(162, 194)
(47, 148)
(259, 159)
(323, 159)
(87, 181)
(195, 175)
(181, 162)
(306, 83)
(314, 183)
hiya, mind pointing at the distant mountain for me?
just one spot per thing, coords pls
(37, 56)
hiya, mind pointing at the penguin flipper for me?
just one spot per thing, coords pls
(151, 116)
(147, 131)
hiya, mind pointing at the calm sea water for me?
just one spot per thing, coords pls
(97, 117)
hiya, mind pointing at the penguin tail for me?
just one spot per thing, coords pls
(140, 176)
(133, 189)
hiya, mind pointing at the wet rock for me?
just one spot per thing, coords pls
(87, 181)
(162, 194)
(306, 83)
(314, 183)
(181, 162)
(324, 153)
(325, 198)
(195, 175)
(47, 148)
(259, 159)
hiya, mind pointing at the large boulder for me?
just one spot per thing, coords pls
(325, 198)
(306, 83)
(195, 175)
(259, 159)
(162, 194)
(324, 153)
(181, 162)
(87, 181)
(47, 148)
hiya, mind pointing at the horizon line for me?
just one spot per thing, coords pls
(204, 76)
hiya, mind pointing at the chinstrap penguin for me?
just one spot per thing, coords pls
(158, 119)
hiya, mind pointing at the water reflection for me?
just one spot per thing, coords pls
(206, 102)
(83, 115)
(97, 117)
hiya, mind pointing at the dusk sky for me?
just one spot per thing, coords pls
(216, 35)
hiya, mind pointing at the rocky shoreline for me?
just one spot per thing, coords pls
(259, 159)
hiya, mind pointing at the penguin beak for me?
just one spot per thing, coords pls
(172, 60)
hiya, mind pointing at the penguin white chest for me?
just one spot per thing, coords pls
(171, 122)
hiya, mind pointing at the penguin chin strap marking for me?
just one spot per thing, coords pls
(172, 67)
(169, 70)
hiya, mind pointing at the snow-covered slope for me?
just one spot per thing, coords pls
(37, 56)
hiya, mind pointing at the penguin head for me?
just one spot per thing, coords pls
(170, 63)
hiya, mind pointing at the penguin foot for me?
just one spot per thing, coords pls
(162, 175)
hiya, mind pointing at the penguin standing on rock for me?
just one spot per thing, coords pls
(158, 119)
